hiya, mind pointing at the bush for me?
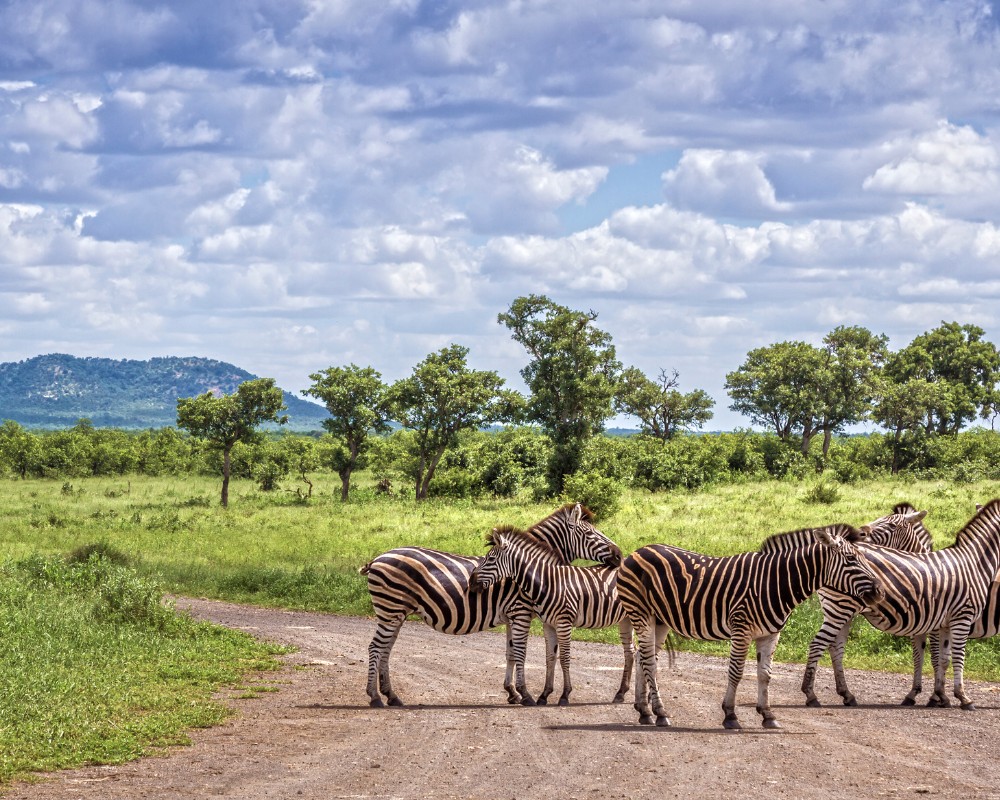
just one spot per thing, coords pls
(823, 494)
(601, 495)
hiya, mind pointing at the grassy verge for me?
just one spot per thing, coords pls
(96, 670)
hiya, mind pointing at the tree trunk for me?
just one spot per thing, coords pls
(345, 484)
(225, 477)
(827, 438)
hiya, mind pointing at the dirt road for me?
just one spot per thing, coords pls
(457, 738)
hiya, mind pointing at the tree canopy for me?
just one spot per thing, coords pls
(659, 406)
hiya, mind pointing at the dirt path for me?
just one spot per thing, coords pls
(457, 738)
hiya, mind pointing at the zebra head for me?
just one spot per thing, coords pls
(575, 536)
(847, 570)
(498, 563)
(900, 530)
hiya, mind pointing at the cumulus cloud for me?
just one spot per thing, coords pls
(373, 182)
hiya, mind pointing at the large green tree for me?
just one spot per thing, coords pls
(227, 419)
(964, 366)
(572, 376)
(442, 397)
(779, 386)
(849, 379)
(356, 399)
(659, 406)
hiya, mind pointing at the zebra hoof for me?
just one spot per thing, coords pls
(970, 706)
(731, 724)
(376, 702)
(813, 702)
(527, 701)
(395, 701)
(619, 698)
(851, 701)
(645, 719)
(662, 722)
(542, 701)
(771, 724)
(564, 701)
(909, 701)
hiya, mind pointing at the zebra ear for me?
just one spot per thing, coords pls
(915, 516)
(836, 535)
(577, 513)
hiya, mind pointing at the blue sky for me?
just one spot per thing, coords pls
(295, 185)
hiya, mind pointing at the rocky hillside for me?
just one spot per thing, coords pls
(56, 390)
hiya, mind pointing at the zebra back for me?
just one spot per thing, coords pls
(792, 540)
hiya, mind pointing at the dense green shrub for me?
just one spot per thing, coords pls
(601, 495)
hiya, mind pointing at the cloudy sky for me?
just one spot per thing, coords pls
(290, 185)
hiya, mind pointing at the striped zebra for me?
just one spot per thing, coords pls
(435, 586)
(903, 529)
(743, 598)
(949, 592)
(562, 595)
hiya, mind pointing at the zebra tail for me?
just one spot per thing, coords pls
(365, 569)
(668, 645)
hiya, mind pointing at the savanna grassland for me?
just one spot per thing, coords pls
(100, 672)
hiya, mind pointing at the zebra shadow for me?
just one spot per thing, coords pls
(619, 727)
(884, 707)
(419, 707)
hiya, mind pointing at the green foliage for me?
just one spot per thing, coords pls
(572, 376)
(662, 410)
(88, 645)
(443, 397)
(823, 494)
(601, 495)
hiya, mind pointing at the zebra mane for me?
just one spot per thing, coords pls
(781, 542)
(585, 512)
(523, 537)
(985, 522)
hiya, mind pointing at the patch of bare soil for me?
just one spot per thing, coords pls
(458, 738)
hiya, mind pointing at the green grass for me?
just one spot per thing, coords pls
(97, 671)
(88, 683)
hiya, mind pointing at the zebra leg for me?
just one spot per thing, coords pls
(837, 659)
(518, 629)
(959, 638)
(738, 648)
(819, 645)
(565, 631)
(647, 633)
(765, 652)
(386, 632)
(625, 632)
(551, 648)
(939, 699)
(919, 646)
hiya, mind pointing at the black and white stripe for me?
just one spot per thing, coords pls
(904, 530)
(562, 595)
(435, 586)
(744, 598)
(947, 592)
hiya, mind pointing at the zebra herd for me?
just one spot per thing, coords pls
(886, 571)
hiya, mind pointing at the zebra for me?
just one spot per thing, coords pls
(563, 596)
(903, 529)
(743, 598)
(948, 592)
(435, 586)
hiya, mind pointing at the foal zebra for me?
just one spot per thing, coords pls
(435, 586)
(948, 592)
(563, 596)
(745, 597)
(901, 530)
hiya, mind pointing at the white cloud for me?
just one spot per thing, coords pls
(724, 183)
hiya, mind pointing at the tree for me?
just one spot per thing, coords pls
(779, 386)
(225, 420)
(573, 376)
(849, 378)
(957, 359)
(442, 397)
(356, 400)
(20, 450)
(659, 406)
(903, 409)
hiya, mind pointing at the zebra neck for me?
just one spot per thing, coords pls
(793, 576)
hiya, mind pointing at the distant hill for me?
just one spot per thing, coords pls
(54, 391)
